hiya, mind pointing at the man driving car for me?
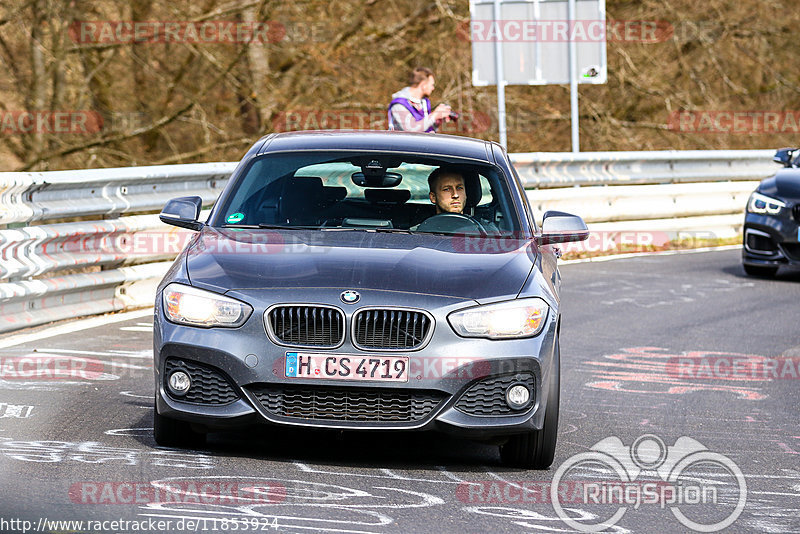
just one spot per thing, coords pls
(447, 190)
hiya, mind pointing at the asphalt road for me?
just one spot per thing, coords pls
(655, 349)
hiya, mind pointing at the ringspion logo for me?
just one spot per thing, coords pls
(704, 490)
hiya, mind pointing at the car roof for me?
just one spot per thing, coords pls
(380, 141)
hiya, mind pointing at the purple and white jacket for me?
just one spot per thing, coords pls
(405, 116)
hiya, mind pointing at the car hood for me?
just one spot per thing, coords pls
(785, 185)
(466, 267)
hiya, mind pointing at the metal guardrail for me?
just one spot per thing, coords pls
(35, 302)
(38, 262)
(599, 204)
(33, 251)
(45, 254)
(39, 196)
(548, 169)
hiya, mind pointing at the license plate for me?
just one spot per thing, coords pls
(346, 367)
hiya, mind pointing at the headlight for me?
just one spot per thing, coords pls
(504, 320)
(759, 203)
(196, 307)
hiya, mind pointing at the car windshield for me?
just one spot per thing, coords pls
(369, 191)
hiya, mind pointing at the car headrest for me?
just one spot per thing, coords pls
(472, 185)
(301, 199)
(306, 187)
(306, 183)
(334, 193)
(387, 196)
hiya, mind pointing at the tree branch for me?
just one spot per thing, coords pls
(108, 140)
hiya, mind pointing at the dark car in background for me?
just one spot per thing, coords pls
(325, 291)
(772, 219)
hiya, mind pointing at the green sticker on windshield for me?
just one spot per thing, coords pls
(235, 217)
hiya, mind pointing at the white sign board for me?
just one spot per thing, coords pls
(535, 38)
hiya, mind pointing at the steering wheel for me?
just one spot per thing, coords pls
(452, 223)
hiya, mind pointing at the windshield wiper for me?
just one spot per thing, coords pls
(286, 227)
(363, 229)
(391, 230)
(269, 226)
(377, 229)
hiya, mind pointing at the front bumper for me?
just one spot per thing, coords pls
(771, 240)
(442, 374)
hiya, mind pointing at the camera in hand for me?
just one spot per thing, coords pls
(453, 116)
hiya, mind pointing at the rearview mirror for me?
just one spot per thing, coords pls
(183, 212)
(387, 179)
(784, 156)
(560, 227)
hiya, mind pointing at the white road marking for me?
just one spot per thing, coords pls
(93, 452)
(76, 326)
(308, 469)
(114, 353)
(136, 328)
(501, 479)
(303, 467)
(141, 431)
(517, 514)
(134, 395)
(427, 499)
(354, 509)
(16, 411)
(442, 469)
(644, 254)
(392, 475)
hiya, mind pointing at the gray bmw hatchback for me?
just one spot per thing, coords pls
(365, 280)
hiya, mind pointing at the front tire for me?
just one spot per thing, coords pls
(762, 271)
(536, 449)
(173, 433)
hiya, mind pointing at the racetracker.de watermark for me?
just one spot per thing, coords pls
(185, 491)
(709, 366)
(704, 491)
(735, 122)
(75, 122)
(205, 32)
(50, 122)
(603, 241)
(564, 31)
(43, 366)
(257, 241)
(228, 523)
(520, 492)
(123, 32)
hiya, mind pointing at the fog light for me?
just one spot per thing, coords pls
(517, 396)
(179, 382)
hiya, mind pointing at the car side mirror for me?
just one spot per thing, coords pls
(560, 227)
(183, 212)
(784, 156)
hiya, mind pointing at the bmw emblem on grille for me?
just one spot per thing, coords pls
(350, 297)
